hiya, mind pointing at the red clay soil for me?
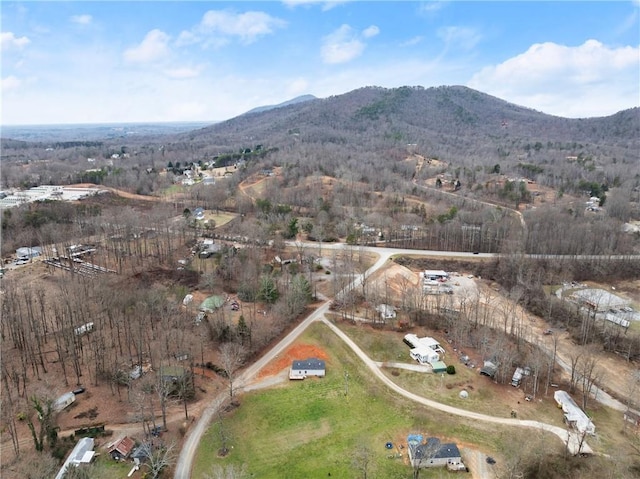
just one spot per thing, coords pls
(295, 352)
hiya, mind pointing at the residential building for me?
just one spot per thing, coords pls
(307, 367)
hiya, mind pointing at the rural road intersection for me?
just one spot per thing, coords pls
(185, 460)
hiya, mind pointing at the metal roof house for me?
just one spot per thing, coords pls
(424, 355)
(82, 454)
(307, 367)
(573, 415)
(434, 275)
(414, 341)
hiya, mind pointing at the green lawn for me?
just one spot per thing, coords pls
(312, 428)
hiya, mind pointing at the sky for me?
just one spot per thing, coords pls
(76, 62)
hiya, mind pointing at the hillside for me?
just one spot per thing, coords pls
(451, 121)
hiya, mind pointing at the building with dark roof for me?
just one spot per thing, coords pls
(308, 367)
(445, 455)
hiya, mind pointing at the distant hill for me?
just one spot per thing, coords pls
(453, 122)
(294, 101)
(94, 131)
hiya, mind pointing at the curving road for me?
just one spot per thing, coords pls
(185, 460)
(571, 439)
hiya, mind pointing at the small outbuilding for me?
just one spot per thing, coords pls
(28, 252)
(307, 367)
(490, 368)
(121, 449)
(386, 311)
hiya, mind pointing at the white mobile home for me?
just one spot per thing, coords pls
(414, 341)
(434, 275)
(573, 415)
(424, 355)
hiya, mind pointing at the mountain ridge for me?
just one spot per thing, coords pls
(454, 121)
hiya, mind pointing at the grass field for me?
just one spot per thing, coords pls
(220, 219)
(313, 428)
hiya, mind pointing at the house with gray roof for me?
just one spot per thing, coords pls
(308, 367)
(433, 453)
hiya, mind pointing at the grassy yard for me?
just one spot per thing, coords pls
(484, 395)
(313, 428)
(106, 468)
(220, 219)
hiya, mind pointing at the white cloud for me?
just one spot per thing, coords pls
(588, 80)
(217, 26)
(370, 32)
(155, 46)
(9, 41)
(10, 83)
(326, 5)
(82, 19)
(412, 41)
(462, 37)
(431, 6)
(181, 73)
(345, 44)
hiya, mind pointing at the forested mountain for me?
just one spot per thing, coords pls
(453, 122)
(298, 99)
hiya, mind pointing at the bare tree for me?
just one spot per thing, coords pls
(363, 460)
(158, 458)
(421, 454)
(589, 374)
(231, 357)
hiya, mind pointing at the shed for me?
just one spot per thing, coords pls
(489, 369)
(178, 379)
(386, 311)
(121, 449)
(29, 252)
(198, 213)
(439, 367)
(307, 367)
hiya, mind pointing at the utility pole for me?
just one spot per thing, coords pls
(346, 383)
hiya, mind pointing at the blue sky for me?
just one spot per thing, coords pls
(151, 61)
